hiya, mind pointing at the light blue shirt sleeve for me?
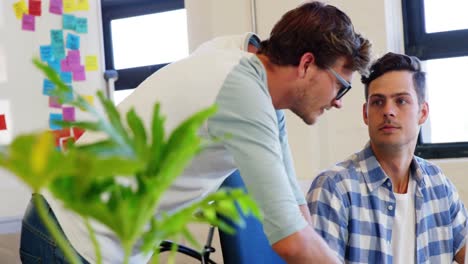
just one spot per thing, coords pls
(287, 158)
(245, 112)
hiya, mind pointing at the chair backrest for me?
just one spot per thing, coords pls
(249, 244)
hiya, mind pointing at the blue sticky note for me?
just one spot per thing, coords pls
(73, 41)
(55, 64)
(66, 77)
(55, 117)
(46, 53)
(58, 51)
(56, 37)
(69, 95)
(69, 21)
(47, 87)
(81, 25)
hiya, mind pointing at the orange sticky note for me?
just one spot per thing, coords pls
(3, 125)
(35, 8)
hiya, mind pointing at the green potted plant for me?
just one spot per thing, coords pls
(85, 177)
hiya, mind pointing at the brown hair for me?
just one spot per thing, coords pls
(397, 62)
(321, 29)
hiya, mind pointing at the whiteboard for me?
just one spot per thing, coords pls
(22, 99)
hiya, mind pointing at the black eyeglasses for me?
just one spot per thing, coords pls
(345, 85)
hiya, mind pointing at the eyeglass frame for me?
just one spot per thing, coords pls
(345, 85)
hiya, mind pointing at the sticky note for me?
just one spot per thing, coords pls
(47, 87)
(55, 117)
(56, 37)
(3, 125)
(79, 73)
(77, 132)
(66, 77)
(58, 51)
(89, 99)
(81, 25)
(68, 113)
(74, 58)
(68, 22)
(55, 7)
(65, 66)
(82, 5)
(54, 103)
(29, 22)
(68, 6)
(61, 133)
(55, 64)
(91, 63)
(46, 53)
(69, 95)
(35, 7)
(73, 41)
(20, 9)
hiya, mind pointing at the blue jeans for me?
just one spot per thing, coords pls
(37, 244)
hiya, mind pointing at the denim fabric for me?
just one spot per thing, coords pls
(37, 244)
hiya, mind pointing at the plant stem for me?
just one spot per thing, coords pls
(172, 254)
(63, 244)
(155, 257)
(96, 246)
(127, 250)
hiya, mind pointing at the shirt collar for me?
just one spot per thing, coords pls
(375, 176)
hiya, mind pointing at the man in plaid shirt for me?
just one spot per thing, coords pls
(383, 204)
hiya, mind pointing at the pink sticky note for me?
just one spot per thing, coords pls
(29, 22)
(79, 73)
(65, 65)
(53, 102)
(56, 6)
(68, 113)
(74, 58)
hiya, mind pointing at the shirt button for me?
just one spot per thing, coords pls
(389, 184)
(390, 207)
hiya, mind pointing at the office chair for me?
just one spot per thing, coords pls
(249, 244)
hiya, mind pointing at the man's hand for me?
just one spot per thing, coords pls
(460, 256)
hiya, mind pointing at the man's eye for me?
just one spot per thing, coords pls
(402, 101)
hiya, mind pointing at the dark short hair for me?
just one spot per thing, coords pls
(397, 62)
(321, 29)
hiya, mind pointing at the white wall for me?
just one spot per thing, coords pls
(338, 133)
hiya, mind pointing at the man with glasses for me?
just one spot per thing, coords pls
(383, 204)
(305, 66)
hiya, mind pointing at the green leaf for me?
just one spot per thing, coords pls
(139, 134)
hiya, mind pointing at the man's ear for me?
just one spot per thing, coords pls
(307, 59)
(364, 114)
(424, 113)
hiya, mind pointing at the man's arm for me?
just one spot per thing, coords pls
(460, 256)
(306, 213)
(305, 246)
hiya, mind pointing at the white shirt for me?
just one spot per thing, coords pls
(403, 232)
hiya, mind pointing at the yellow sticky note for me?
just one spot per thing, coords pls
(20, 9)
(82, 5)
(91, 63)
(69, 6)
(89, 99)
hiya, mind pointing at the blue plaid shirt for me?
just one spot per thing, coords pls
(353, 208)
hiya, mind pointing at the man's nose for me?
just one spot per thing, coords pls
(389, 110)
(337, 103)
